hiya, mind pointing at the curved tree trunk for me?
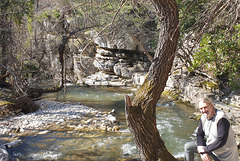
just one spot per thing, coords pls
(141, 112)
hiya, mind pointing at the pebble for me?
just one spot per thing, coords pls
(53, 116)
(43, 132)
(52, 112)
(14, 143)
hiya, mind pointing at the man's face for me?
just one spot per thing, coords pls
(207, 109)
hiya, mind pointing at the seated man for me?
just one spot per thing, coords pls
(215, 136)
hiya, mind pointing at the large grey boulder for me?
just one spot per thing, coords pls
(4, 156)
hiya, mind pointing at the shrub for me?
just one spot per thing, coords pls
(220, 53)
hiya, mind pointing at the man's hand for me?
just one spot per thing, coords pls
(205, 157)
(201, 149)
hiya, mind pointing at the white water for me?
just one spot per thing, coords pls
(173, 124)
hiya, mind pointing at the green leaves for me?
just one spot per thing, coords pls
(15, 9)
(189, 12)
(220, 54)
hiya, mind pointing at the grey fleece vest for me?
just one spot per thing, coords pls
(229, 152)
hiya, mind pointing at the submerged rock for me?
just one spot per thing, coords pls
(4, 156)
(14, 143)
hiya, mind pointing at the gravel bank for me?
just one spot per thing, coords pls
(54, 116)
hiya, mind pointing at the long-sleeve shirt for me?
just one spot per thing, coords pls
(217, 136)
(222, 131)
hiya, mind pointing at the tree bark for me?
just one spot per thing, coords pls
(5, 39)
(141, 112)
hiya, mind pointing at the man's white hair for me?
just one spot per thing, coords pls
(205, 100)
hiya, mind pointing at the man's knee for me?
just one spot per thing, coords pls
(190, 146)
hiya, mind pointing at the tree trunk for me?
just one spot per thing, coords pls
(141, 112)
(61, 50)
(5, 39)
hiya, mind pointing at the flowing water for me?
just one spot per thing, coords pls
(173, 124)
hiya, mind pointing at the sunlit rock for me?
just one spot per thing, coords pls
(43, 132)
(116, 128)
(14, 143)
(111, 118)
(4, 156)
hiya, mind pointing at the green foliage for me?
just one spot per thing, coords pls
(189, 13)
(29, 25)
(210, 85)
(127, 9)
(46, 14)
(220, 53)
(15, 9)
(109, 7)
(56, 13)
(172, 94)
(29, 68)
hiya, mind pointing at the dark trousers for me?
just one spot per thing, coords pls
(190, 148)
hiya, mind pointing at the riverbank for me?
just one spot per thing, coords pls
(54, 116)
(63, 116)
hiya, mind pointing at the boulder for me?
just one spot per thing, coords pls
(235, 99)
(4, 156)
(138, 78)
(23, 104)
(14, 143)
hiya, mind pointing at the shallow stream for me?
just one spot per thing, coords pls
(173, 124)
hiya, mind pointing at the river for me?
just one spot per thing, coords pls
(173, 124)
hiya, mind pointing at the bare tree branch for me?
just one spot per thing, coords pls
(99, 33)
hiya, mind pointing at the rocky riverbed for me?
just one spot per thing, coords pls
(54, 116)
(72, 117)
